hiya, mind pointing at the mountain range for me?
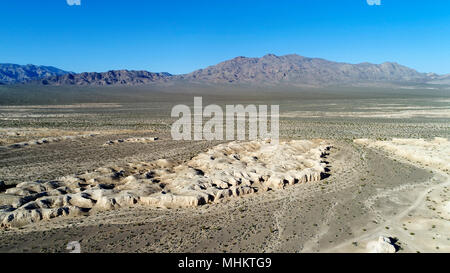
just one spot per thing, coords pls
(113, 77)
(14, 73)
(268, 70)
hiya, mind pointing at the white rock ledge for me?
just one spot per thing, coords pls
(227, 170)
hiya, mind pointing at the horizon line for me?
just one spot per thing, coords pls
(240, 56)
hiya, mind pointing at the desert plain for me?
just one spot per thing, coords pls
(100, 167)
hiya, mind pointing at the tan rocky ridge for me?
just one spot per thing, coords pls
(232, 169)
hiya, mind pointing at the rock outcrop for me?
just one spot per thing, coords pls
(227, 170)
(383, 245)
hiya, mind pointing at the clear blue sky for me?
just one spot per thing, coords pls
(181, 36)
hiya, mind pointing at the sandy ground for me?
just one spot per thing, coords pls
(423, 222)
(369, 191)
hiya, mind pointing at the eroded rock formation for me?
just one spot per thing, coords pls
(382, 245)
(231, 169)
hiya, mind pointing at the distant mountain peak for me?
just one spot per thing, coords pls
(294, 69)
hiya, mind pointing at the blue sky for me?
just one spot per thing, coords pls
(181, 36)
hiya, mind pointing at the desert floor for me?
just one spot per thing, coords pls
(369, 191)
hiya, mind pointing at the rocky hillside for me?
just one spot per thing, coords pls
(14, 73)
(113, 77)
(295, 69)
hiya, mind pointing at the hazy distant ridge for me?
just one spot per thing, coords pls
(14, 73)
